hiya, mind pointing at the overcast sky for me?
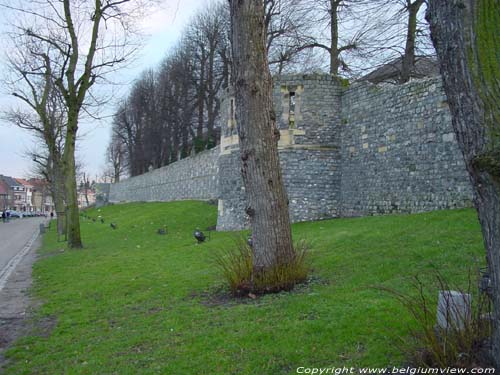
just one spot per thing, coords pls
(164, 27)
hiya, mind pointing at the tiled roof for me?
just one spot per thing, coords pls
(10, 181)
(38, 183)
(424, 67)
(22, 181)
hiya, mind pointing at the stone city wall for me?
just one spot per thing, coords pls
(361, 150)
(399, 152)
(195, 177)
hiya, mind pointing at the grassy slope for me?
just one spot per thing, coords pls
(132, 301)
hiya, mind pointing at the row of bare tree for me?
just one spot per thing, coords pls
(172, 111)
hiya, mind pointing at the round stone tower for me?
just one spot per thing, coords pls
(308, 112)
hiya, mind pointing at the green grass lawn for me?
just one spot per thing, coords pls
(135, 302)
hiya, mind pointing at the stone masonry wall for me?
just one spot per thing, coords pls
(364, 150)
(399, 152)
(195, 177)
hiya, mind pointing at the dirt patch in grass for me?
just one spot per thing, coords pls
(220, 296)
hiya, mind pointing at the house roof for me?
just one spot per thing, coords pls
(22, 181)
(10, 181)
(424, 67)
(38, 183)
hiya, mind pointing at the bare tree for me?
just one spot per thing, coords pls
(85, 186)
(172, 111)
(49, 168)
(76, 38)
(396, 34)
(408, 61)
(465, 34)
(116, 158)
(258, 134)
(43, 113)
(207, 40)
(335, 13)
(179, 100)
(288, 25)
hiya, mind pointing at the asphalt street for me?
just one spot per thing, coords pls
(18, 243)
(14, 236)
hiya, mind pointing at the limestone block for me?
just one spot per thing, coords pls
(454, 309)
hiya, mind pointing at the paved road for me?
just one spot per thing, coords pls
(14, 236)
(16, 260)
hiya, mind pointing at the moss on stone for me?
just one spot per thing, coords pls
(489, 162)
(485, 62)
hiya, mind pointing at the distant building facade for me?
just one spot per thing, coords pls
(5, 195)
(41, 196)
(23, 195)
(26, 194)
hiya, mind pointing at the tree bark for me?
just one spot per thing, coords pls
(201, 98)
(408, 61)
(73, 218)
(58, 194)
(258, 137)
(334, 35)
(465, 34)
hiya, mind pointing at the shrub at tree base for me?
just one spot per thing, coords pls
(464, 344)
(236, 267)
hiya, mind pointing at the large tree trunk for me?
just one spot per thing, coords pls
(266, 197)
(465, 34)
(210, 98)
(334, 36)
(58, 197)
(73, 218)
(201, 99)
(408, 62)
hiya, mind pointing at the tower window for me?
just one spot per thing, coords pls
(291, 108)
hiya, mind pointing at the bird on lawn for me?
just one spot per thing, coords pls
(113, 225)
(163, 230)
(198, 234)
(102, 220)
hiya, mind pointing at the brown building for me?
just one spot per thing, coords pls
(17, 194)
(5, 196)
(41, 197)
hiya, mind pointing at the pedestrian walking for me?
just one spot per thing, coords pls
(4, 216)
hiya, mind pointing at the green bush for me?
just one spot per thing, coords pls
(464, 345)
(236, 267)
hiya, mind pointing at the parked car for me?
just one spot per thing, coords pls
(14, 213)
